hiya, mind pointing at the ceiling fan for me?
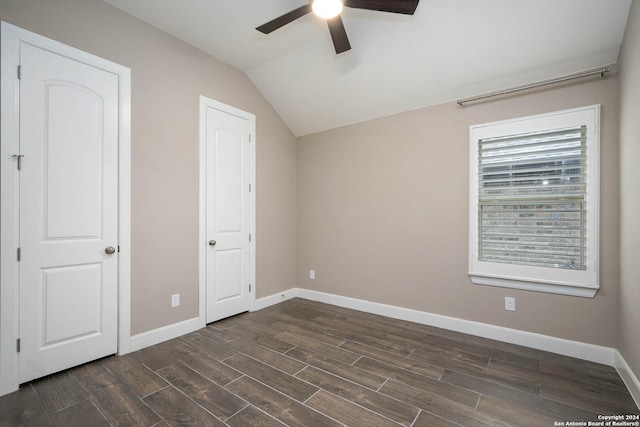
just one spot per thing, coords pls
(331, 9)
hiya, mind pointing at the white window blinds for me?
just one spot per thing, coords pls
(532, 199)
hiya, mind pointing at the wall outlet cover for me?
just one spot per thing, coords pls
(175, 300)
(509, 303)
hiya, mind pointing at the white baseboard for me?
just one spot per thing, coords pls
(156, 336)
(590, 352)
(627, 375)
(274, 299)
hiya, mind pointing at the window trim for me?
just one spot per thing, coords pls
(541, 279)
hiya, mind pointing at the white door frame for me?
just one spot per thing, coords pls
(11, 38)
(202, 238)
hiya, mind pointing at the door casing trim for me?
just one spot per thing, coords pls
(202, 234)
(10, 38)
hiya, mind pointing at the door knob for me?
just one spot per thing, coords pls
(212, 242)
(110, 250)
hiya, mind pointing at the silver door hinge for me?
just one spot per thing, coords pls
(19, 251)
(249, 287)
(249, 188)
(249, 137)
(19, 72)
(249, 237)
(18, 157)
(18, 345)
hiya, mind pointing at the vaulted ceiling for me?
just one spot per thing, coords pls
(447, 50)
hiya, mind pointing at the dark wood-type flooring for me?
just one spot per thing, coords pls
(302, 363)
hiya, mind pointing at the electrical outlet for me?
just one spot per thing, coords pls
(175, 300)
(509, 303)
(312, 274)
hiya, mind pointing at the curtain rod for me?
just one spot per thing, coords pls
(601, 71)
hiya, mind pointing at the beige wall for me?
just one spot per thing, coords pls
(168, 76)
(383, 215)
(629, 342)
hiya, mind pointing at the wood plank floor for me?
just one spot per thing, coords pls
(302, 363)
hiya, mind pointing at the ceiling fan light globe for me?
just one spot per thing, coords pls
(327, 9)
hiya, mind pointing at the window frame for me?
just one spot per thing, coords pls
(583, 283)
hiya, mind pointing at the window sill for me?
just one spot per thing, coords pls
(576, 291)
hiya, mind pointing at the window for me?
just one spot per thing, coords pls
(534, 202)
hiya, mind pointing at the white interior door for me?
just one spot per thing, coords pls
(68, 212)
(228, 213)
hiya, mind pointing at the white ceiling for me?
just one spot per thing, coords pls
(448, 50)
